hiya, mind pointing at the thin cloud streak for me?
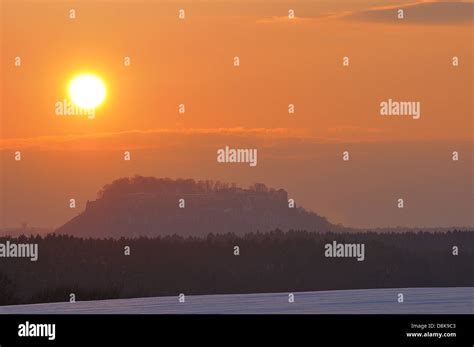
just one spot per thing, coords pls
(425, 12)
(159, 138)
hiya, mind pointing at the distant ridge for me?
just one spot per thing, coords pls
(149, 206)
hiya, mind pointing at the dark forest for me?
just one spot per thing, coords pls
(267, 262)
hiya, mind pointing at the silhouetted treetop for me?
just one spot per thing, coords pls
(152, 185)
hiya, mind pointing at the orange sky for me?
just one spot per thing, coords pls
(282, 62)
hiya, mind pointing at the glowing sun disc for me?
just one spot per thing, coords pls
(87, 91)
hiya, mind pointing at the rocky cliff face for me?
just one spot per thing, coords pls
(150, 207)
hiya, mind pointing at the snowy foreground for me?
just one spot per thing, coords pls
(371, 301)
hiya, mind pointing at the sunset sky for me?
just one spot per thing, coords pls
(283, 61)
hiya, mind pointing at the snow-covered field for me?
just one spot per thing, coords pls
(371, 301)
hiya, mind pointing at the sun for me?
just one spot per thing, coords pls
(87, 90)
